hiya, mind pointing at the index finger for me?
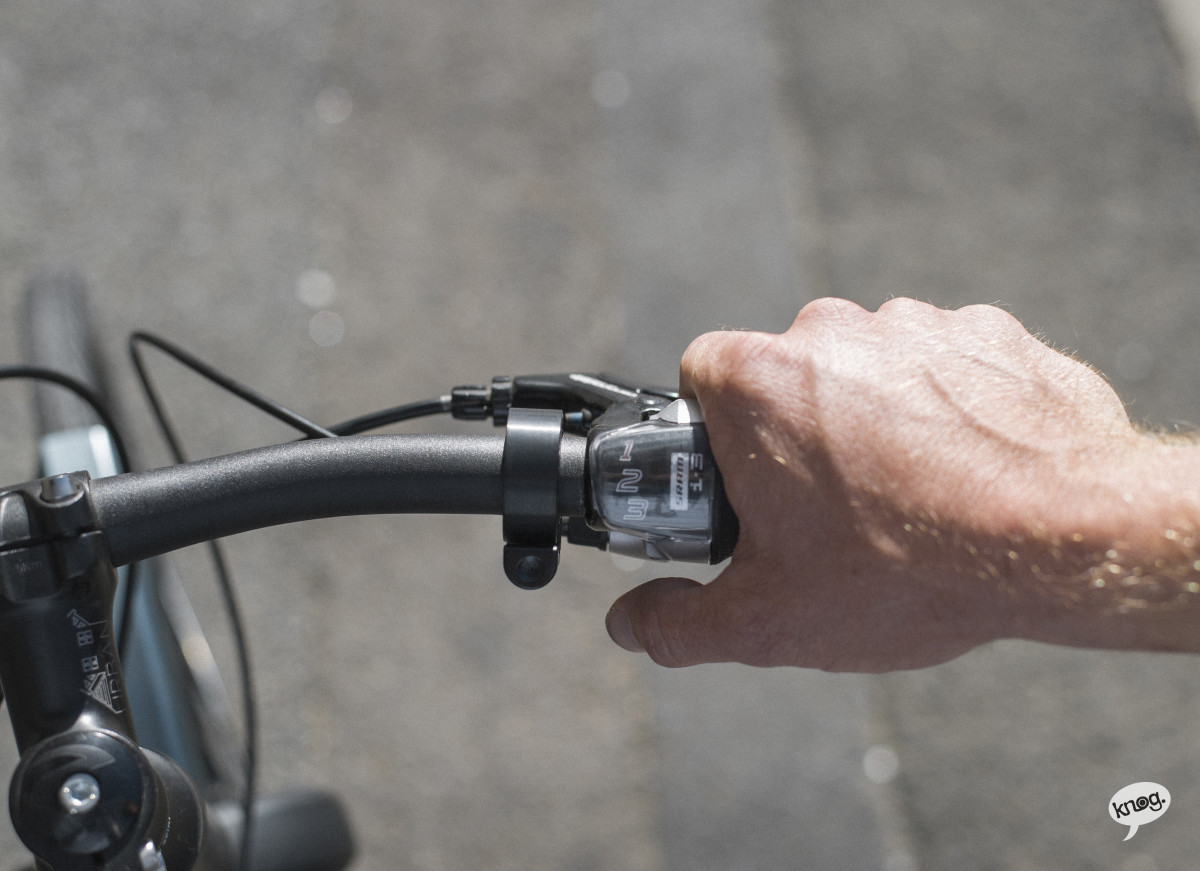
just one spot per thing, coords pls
(712, 357)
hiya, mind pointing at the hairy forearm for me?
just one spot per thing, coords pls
(1121, 567)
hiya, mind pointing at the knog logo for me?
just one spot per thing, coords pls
(1138, 804)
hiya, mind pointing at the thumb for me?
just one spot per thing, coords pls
(673, 620)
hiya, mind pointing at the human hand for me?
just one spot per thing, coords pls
(910, 484)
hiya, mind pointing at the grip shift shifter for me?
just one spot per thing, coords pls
(656, 489)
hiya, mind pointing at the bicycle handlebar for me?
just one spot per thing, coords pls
(616, 466)
(641, 480)
(145, 514)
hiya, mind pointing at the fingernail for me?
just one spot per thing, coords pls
(620, 630)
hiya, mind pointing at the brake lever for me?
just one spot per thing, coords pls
(582, 398)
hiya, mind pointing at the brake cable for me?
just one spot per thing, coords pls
(220, 565)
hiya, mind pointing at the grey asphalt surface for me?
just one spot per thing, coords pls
(350, 205)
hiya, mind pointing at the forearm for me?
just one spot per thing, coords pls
(1117, 565)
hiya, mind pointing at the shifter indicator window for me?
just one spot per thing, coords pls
(652, 479)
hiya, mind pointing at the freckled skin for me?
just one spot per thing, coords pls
(914, 482)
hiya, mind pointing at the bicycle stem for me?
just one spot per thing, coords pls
(84, 795)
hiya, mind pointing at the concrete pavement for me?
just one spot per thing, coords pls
(350, 205)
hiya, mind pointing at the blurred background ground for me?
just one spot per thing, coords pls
(358, 203)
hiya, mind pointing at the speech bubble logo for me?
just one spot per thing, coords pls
(1138, 804)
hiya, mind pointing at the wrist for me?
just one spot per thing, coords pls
(1114, 560)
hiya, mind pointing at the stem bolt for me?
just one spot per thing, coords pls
(79, 793)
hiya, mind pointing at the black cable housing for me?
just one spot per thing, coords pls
(409, 411)
(191, 361)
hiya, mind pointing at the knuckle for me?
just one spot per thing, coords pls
(830, 308)
(703, 355)
(909, 309)
(728, 362)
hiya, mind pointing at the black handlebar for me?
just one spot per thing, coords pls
(149, 513)
(616, 466)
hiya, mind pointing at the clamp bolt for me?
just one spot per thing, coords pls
(58, 488)
(530, 571)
